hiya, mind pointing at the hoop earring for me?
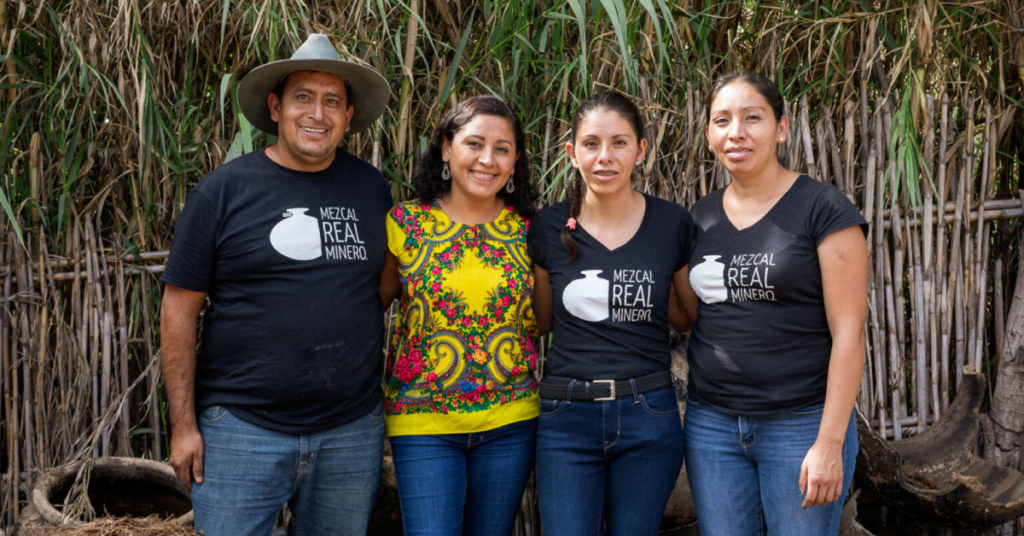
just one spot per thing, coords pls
(446, 172)
(510, 186)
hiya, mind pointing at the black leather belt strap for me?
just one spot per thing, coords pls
(598, 390)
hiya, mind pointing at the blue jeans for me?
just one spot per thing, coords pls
(329, 479)
(608, 467)
(455, 484)
(745, 472)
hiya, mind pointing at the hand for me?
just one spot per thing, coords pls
(187, 456)
(821, 475)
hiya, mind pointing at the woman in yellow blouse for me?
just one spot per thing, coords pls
(460, 396)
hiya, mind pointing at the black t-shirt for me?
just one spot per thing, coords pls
(292, 338)
(611, 307)
(761, 344)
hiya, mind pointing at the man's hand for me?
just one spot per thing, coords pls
(821, 475)
(187, 456)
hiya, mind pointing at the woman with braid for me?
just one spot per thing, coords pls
(606, 262)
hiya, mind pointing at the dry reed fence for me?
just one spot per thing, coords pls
(111, 110)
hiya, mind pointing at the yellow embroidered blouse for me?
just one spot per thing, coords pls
(461, 357)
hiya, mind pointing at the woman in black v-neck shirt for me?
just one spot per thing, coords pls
(776, 353)
(609, 440)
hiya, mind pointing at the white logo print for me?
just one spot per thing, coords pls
(297, 236)
(587, 298)
(708, 280)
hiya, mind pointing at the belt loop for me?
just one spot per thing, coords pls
(636, 395)
(568, 395)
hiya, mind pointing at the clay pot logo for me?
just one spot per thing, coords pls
(297, 236)
(587, 298)
(708, 280)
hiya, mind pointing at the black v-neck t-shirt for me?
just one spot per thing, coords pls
(761, 344)
(611, 306)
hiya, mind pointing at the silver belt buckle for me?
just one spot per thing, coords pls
(611, 388)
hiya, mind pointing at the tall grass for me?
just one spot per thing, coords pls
(131, 102)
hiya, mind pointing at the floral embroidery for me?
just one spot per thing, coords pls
(445, 355)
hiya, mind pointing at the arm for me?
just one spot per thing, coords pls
(843, 257)
(676, 316)
(179, 314)
(542, 299)
(686, 296)
(390, 287)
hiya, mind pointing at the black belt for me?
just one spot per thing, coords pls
(601, 390)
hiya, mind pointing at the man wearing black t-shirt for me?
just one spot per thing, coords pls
(282, 403)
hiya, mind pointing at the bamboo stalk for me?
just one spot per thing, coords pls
(932, 325)
(898, 301)
(848, 150)
(822, 162)
(91, 313)
(982, 268)
(153, 381)
(940, 260)
(805, 137)
(919, 320)
(998, 311)
(405, 99)
(122, 357)
(950, 206)
(988, 215)
(10, 378)
(895, 367)
(22, 344)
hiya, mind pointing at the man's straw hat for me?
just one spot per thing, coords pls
(369, 95)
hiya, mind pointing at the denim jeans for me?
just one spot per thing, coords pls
(329, 479)
(608, 467)
(745, 472)
(463, 484)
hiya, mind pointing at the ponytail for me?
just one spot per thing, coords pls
(575, 200)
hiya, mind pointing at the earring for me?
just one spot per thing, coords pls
(637, 170)
(782, 140)
(510, 186)
(446, 173)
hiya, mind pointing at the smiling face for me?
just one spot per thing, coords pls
(742, 130)
(606, 150)
(312, 117)
(482, 156)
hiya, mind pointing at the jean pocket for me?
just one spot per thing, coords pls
(809, 410)
(660, 402)
(549, 407)
(213, 415)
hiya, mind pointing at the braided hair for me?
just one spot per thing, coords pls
(606, 100)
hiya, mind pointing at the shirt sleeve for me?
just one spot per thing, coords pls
(833, 212)
(193, 254)
(687, 237)
(396, 236)
(535, 247)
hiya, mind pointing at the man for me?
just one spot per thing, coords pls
(283, 402)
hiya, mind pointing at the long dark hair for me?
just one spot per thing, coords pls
(606, 100)
(428, 182)
(759, 82)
